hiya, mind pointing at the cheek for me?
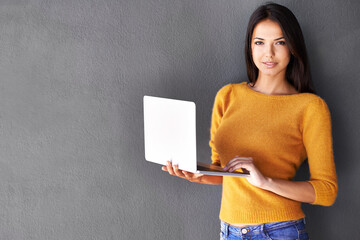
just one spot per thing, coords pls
(286, 58)
(284, 54)
(255, 54)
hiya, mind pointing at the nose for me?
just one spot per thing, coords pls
(269, 51)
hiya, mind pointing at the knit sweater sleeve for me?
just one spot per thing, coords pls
(317, 138)
(221, 102)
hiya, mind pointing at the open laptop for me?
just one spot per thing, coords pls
(170, 134)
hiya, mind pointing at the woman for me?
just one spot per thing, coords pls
(269, 127)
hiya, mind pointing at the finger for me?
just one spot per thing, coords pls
(187, 175)
(236, 165)
(170, 168)
(164, 168)
(248, 166)
(244, 159)
(178, 172)
(237, 160)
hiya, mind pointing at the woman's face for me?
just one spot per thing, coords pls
(269, 50)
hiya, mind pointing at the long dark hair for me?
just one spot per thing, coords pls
(297, 71)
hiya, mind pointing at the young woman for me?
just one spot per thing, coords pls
(268, 127)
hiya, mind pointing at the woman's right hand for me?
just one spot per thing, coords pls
(175, 171)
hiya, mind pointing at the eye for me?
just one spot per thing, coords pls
(280, 43)
(258, 43)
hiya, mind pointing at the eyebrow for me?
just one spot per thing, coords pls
(264, 39)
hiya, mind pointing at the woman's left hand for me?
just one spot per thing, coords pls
(256, 178)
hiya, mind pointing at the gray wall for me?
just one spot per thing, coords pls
(73, 74)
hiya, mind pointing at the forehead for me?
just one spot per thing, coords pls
(267, 29)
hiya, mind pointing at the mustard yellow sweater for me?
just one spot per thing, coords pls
(279, 132)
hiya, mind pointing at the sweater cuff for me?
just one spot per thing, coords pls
(325, 192)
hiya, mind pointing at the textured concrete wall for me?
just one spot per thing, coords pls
(73, 73)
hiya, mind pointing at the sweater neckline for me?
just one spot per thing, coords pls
(252, 91)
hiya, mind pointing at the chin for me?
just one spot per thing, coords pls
(271, 72)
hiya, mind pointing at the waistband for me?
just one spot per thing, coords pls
(225, 227)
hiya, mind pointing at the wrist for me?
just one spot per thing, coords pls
(198, 179)
(267, 185)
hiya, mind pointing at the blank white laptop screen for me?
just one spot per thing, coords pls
(170, 134)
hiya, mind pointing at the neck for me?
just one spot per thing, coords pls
(273, 85)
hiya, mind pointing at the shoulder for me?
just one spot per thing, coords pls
(315, 102)
(316, 109)
(224, 97)
(227, 90)
(224, 93)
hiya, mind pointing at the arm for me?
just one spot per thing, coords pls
(219, 107)
(298, 191)
(317, 138)
(321, 189)
(213, 180)
(221, 103)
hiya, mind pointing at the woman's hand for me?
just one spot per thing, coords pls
(256, 178)
(175, 171)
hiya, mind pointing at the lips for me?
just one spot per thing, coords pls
(270, 64)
